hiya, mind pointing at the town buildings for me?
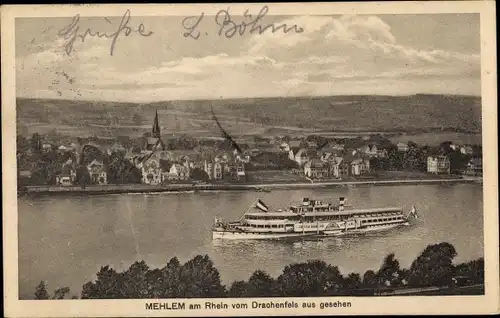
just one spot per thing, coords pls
(475, 167)
(316, 169)
(466, 150)
(68, 174)
(438, 164)
(151, 170)
(338, 168)
(156, 164)
(214, 170)
(46, 147)
(402, 147)
(329, 166)
(64, 180)
(97, 172)
(372, 150)
(360, 166)
(178, 172)
(300, 155)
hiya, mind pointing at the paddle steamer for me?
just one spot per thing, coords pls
(310, 218)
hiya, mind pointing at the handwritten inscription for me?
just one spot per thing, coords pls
(225, 26)
(71, 32)
(191, 24)
(228, 28)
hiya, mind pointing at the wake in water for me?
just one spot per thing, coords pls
(132, 229)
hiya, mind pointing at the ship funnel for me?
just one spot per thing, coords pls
(341, 203)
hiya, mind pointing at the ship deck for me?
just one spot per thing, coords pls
(325, 213)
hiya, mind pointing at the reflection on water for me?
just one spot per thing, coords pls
(65, 240)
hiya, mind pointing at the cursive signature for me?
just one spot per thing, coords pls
(190, 24)
(229, 28)
(70, 33)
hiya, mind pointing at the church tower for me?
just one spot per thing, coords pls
(154, 143)
(156, 133)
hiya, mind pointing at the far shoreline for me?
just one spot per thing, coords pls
(257, 187)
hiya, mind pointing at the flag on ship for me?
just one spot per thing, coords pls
(262, 206)
(413, 212)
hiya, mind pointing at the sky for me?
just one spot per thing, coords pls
(334, 55)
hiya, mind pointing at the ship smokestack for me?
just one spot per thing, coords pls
(341, 203)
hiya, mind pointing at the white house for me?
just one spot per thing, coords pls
(285, 147)
(97, 172)
(245, 157)
(339, 168)
(63, 148)
(301, 157)
(316, 168)
(64, 179)
(178, 172)
(46, 147)
(240, 171)
(475, 167)
(402, 147)
(466, 150)
(214, 170)
(68, 174)
(438, 164)
(360, 166)
(151, 170)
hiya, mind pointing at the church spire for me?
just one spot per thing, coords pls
(156, 127)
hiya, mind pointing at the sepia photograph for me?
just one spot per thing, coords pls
(250, 157)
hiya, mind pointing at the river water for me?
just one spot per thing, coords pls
(65, 240)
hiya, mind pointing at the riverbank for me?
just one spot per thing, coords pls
(183, 187)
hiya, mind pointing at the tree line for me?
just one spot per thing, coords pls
(199, 278)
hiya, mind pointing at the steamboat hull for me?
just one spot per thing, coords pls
(239, 235)
(236, 235)
(376, 228)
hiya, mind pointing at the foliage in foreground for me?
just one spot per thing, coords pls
(198, 277)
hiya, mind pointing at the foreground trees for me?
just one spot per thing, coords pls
(42, 294)
(198, 278)
(308, 279)
(434, 266)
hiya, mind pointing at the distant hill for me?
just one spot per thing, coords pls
(256, 115)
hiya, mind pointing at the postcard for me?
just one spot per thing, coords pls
(250, 159)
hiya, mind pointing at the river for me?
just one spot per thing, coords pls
(64, 240)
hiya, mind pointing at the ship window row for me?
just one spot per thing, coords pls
(382, 219)
(313, 209)
(267, 217)
(381, 214)
(267, 226)
(309, 226)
